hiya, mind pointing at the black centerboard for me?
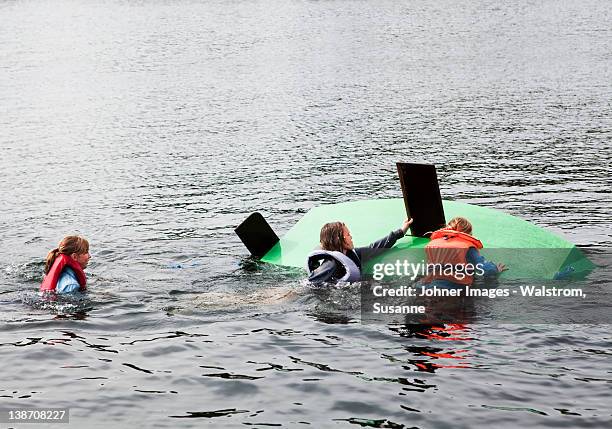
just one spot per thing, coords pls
(421, 197)
(257, 235)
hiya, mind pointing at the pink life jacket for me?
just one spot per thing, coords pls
(49, 283)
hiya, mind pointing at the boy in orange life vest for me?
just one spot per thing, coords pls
(456, 246)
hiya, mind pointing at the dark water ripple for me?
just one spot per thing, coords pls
(494, 369)
(154, 128)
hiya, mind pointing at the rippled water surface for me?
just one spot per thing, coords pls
(154, 128)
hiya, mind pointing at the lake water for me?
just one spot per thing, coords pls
(154, 128)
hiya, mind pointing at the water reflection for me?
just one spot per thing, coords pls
(430, 357)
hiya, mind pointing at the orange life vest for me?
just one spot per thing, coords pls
(449, 247)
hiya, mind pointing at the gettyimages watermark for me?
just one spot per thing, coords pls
(565, 285)
(413, 270)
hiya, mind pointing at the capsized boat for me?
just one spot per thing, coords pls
(529, 251)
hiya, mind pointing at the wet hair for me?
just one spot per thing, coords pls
(460, 224)
(332, 236)
(69, 245)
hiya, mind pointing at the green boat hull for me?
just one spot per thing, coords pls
(529, 251)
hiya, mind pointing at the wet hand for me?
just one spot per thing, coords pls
(501, 268)
(406, 225)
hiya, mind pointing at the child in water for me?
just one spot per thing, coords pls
(338, 259)
(455, 245)
(65, 264)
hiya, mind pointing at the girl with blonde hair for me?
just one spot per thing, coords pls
(64, 266)
(455, 246)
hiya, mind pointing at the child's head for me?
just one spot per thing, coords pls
(460, 224)
(74, 246)
(335, 236)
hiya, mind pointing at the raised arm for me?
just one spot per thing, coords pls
(385, 242)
